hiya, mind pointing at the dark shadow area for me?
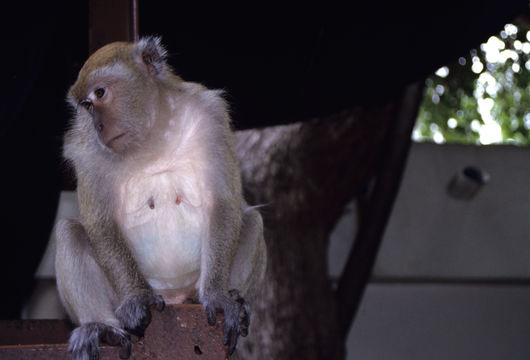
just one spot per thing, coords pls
(280, 66)
(44, 47)
(276, 67)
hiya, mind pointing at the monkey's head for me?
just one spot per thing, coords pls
(117, 92)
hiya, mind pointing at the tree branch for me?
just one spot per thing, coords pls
(304, 174)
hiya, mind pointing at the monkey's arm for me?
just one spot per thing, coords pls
(111, 253)
(86, 293)
(225, 226)
(214, 293)
(116, 260)
(221, 245)
(134, 293)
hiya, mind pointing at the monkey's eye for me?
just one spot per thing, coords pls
(87, 104)
(99, 92)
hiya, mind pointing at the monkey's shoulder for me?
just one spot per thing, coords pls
(209, 102)
(205, 93)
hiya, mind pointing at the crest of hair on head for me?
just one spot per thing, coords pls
(153, 54)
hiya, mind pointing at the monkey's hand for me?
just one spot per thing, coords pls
(84, 341)
(237, 316)
(134, 313)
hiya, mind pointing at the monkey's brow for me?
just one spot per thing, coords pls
(110, 71)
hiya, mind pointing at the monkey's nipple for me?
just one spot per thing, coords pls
(151, 203)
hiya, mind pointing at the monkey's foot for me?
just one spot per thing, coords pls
(237, 316)
(84, 341)
(134, 314)
(244, 312)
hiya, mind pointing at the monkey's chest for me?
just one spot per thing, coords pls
(162, 218)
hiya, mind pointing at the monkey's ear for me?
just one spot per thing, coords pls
(152, 54)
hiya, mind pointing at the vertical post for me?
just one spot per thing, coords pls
(110, 21)
(358, 269)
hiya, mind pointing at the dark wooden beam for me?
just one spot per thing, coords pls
(111, 21)
(362, 257)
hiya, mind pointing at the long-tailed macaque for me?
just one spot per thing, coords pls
(163, 219)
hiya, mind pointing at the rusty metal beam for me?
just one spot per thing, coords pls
(25, 332)
(179, 332)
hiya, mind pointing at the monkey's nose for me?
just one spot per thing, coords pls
(86, 103)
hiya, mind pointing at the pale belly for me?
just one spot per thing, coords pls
(163, 220)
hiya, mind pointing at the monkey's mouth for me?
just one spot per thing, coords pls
(115, 141)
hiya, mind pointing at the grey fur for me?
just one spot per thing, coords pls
(105, 275)
(84, 341)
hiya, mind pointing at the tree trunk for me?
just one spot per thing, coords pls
(303, 174)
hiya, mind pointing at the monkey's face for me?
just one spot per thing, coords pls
(116, 95)
(118, 113)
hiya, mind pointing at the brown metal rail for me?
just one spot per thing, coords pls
(179, 332)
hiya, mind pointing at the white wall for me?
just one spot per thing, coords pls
(442, 322)
(433, 237)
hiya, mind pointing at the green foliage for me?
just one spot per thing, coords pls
(483, 98)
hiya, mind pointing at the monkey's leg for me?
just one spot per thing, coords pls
(86, 294)
(246, 276)
(249, 264)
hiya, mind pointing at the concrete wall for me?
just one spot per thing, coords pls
(442, 322)
(431, 234)
(452, 279)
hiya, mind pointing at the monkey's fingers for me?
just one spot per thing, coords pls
(142, 322)
(134, 313)
(157, 301)
(211, 315)
(84, 341)
(236, 316)
(230, 335)
(125, 351)
(244, 312)
(120, 339)
(244, 323)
